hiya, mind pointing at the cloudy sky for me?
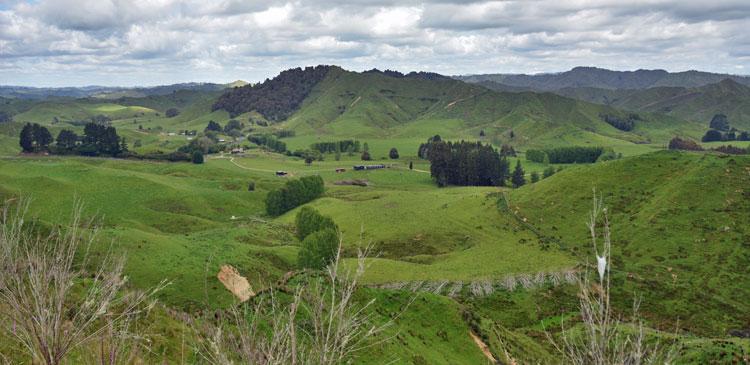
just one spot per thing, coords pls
(148, 42)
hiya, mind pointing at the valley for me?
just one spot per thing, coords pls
(451, 264)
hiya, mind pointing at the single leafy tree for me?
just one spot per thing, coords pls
(318, 249)
(213, 126)
(534, 177)
(27, 138)
(719, 122)
(251, 186)
(309, 221)
(411, 165)
(366, 155)
(712, 135)
(366, 147)
(481, 133)
(518, 178)
(197, 157)
(393, 154)
(172, 112)
(42, 137)
(67, 140)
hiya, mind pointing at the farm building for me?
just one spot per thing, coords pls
(368, 167)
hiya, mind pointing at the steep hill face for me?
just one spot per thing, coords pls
(606, 79)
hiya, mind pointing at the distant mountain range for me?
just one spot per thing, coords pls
(107, 92)
(605, 79)
(690, 95)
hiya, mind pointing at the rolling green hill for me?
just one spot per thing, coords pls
(378, 106)
(699, 104)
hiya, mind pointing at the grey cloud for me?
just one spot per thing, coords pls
(185, 40)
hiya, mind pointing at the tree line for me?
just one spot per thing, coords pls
(346, 145)
(721, 130)
(97, 140)
(572, 154)
(624, 124)
(269, 141)
(293, 194)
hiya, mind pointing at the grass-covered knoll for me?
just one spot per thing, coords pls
(680, 231)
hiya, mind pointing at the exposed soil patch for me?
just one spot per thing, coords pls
(235, 283)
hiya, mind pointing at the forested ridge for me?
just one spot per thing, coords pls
(276, 99)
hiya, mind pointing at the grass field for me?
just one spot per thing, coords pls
(679, 219)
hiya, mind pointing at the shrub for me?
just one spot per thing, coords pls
(366, 156)
(393, 154)
(318, 249)
(678, 143)
(712, 135)
(172, 112)
(534, 177)
(309, 221)
(251, 186)
(197, 157)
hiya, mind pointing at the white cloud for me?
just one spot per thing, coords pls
(156, 41)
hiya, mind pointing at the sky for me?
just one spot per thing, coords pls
(151, 42)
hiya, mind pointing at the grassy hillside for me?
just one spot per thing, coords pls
(699, 104)
(407, 110)
(685, 255)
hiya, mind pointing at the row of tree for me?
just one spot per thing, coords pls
(346, 145)
(293, 194)
(268, 141)
(623, 124)
(572, 154)
(97, 140)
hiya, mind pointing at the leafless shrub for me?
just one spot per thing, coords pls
(488, 287)
(38, 278)
(321, 324)
(416, 285)
(603, 340)
(510, 283)
(570, 276)
(526, 281)
(555, 278)
(455, 289)
(540, 278)
(475, 287)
